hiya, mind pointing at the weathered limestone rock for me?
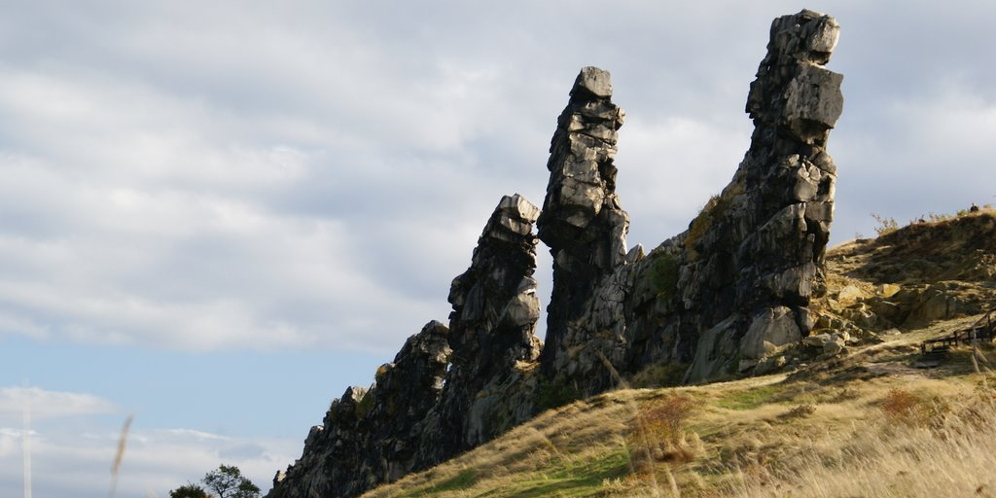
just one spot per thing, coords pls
(735, 287)
(371, 436)
(582, 221)
(765, 236)
(492, 327)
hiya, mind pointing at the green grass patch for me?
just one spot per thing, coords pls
(751, 398)
(464, 480)
(569, 478)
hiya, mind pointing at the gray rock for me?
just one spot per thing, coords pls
(582, 221)
(816, 341)
(834, 346)
(768, 330)
(370, 436)
(716, 300)
(492, 331)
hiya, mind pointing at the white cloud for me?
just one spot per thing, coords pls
(667, 173)
(44, 405)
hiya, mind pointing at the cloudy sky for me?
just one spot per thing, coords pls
(215, 216)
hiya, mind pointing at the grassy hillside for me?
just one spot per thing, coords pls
(864, 422)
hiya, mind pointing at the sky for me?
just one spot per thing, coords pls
(216, 216)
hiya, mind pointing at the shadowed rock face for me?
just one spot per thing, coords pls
(492, 326)
(706, 304)
(582, 221)
(371, 436)
(771, 225)
(448, 389)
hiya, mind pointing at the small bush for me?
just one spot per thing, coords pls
(699, 226)
(554, 394)
(661, 430)
(885, 225)
(664, 274)
(666, 374)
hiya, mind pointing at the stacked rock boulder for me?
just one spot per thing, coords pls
(707, 304)
(582, 221)
(755, 254)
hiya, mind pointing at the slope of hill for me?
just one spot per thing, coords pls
(862, 421)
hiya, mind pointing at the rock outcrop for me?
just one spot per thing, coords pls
(448, 389)
(713, 302)
(582, 221)
(760, 247)
(372, 436)
(492, 327)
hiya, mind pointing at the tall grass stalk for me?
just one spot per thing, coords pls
(122, 442)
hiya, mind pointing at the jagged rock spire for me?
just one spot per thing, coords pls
(582, 221)
(767, 232)
(495, 307)
(492, 327)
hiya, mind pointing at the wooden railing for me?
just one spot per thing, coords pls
(984, 329)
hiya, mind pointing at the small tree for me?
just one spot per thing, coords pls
(188, 491)
(225, 482)
(228, 482)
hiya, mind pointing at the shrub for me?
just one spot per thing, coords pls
(699, 226)
(554, 394)
(801, 411)
(885, 225)
(660, 430)
(664, 274)
(665, 374)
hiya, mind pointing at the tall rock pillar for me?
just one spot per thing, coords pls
(582, 221)
(757, 249)
(492, 336)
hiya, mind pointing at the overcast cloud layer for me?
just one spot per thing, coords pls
(232, 177)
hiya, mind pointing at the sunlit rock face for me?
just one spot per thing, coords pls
(449, 388)
(370, 436)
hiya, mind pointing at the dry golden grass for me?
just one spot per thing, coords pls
(869, 427)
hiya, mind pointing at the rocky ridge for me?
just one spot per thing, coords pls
(712, 302)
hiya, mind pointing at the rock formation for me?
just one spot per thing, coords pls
(448, 389)
(582, 222)
(710, 303)
(714, 300)
(371, 436)
(759, 251)
(492, 327)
